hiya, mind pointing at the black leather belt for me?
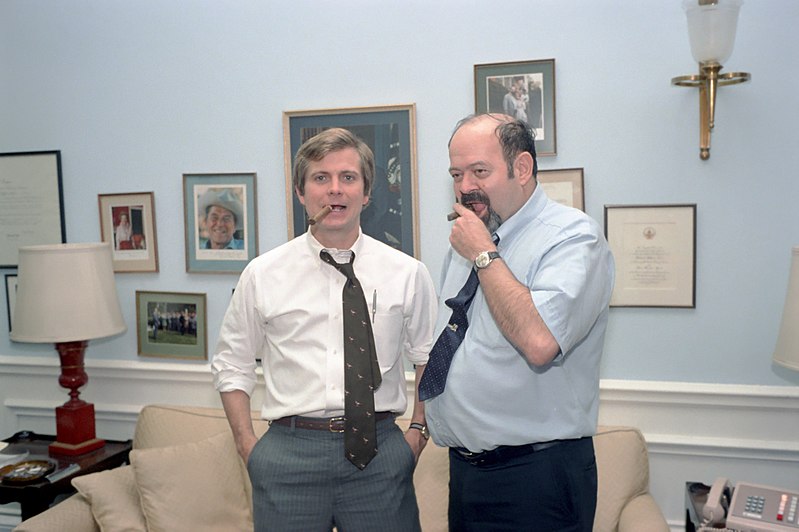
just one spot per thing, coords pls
(504, 453)
(329, 424)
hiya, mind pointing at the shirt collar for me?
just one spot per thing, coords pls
(527, 213)
(341, 255)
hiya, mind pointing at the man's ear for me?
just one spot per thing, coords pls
(523, 167)
(366, 200)
(299, 195)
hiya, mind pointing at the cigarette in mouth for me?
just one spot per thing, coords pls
(451, 216)
(320, 215)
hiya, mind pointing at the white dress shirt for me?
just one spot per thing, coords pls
(287, 311)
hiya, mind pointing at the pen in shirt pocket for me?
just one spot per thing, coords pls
(374, 305)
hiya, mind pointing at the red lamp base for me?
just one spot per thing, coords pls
(75, 432)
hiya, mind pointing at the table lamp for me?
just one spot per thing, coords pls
(787, 351)
(66, 295)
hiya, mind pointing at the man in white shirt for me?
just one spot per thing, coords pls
(287, 311)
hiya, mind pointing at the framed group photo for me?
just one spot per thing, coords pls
(32, 202)
(171, 325)
(221, 222)
(564, 185)
(390, 131)
(127, 222)
(523, 90)
(655, 251)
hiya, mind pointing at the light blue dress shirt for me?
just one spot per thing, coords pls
(493, 396)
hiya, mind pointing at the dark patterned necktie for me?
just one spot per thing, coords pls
(361, 370)
(434, 377)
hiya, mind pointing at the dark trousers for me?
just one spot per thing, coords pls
(550, 490)
(303, 483)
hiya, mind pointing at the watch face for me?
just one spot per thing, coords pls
(482, 260)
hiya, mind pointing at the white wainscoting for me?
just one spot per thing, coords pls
(695, 431)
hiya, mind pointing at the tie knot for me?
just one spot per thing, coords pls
(346, 268)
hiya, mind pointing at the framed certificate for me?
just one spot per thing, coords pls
(655, 251)
(564, 186)
(32, 202)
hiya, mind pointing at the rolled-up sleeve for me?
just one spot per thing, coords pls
(241, 338)
(420, 316)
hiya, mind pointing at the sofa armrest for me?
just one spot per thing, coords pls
(642, 514)
(71, 515)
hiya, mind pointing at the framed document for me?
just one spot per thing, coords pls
(655, 251)
(221, 222)
(521, 89)
(32, 202)
(564, 186)
(127, 222)
(390, 131)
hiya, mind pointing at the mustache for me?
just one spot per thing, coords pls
(474, 197)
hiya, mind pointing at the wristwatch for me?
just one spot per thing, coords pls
(421, 428)
(485, 258)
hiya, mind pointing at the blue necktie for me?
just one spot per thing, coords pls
(435, 374)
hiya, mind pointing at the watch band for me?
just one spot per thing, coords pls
(421, 428)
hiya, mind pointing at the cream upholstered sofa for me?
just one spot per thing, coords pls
(185, 475)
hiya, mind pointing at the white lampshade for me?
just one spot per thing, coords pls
(711, 28)
(787, 351)
(66, 293)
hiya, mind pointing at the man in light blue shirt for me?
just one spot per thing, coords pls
(521, 397)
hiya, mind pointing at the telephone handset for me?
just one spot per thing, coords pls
(718, 501)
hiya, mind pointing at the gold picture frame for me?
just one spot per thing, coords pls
(127, 222)
(564, 185)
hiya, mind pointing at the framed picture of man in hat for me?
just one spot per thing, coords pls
(220, 221)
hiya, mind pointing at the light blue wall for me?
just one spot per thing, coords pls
(136, 93)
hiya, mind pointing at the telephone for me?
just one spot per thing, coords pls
(750, 508)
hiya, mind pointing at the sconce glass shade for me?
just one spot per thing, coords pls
(711, 28)
(66, 293)
(787, 351)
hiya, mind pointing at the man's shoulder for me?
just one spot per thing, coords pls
(385, 252)
(283, 254)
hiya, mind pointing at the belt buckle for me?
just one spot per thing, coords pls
(333, 420)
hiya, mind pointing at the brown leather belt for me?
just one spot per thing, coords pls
(331, 424)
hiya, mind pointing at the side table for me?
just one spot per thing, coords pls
(36, 497)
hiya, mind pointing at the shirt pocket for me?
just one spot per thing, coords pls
(387, 328)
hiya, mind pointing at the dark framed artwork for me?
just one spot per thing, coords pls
(32, 202)
(564, 185)
(655, 251)
(390, 131)
(220, 218)
(127, 222)
(522, 89)
(171, 325)
(11, 297)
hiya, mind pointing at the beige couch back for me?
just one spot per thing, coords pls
(622, 460)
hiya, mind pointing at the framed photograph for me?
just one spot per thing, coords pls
(390, 131)
(32, 202)
(655, 251)
(221, 222)
(522, 89)
(564, 186)
(11, 297)
(171, 325)
(127, 222)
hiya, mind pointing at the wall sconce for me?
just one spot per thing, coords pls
(787, 351)
(711, 30)
(66, 295)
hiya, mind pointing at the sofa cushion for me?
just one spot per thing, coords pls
(195, 486)
(113, 498)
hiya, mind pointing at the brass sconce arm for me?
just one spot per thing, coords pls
(708, 80)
